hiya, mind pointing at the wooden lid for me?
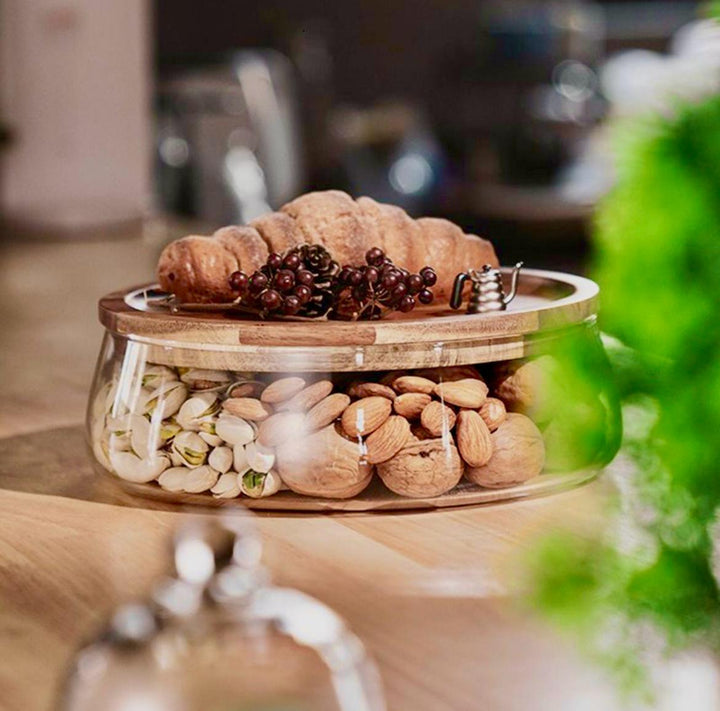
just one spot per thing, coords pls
(427, 337)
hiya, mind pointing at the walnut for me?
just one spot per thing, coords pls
(323, 464)
(518, 454)
(423, 469)
(529, 388)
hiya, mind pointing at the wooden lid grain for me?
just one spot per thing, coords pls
(429, 337)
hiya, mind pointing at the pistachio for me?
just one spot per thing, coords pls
(100, 447)
(134, 401)
(245, 388)
(200, 479)
(259, 458)
(118, 425)
(166, 398)
(240, 462)
(119, 442)
(173, 479)
(234, 430)
(154, 375)
(114, 404)
(221, 459)
(99, 406)
(205, 380)
(212, 439)
(126, 395)
(257, 485)
(189, 450)
(208, 432)
(168, 429)
(130, 467)
(197, 410)
(227, 486)
(144, 436)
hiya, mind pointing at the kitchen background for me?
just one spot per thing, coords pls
(183, 115)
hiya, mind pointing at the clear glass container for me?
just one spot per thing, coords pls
(217, 635)
(434, 409)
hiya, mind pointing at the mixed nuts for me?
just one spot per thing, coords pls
(233, 434)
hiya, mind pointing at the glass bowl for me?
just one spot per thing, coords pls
(434, 408)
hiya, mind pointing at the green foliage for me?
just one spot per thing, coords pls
(659, 268)
(658, 264)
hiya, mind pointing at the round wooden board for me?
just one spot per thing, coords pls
(547, 303)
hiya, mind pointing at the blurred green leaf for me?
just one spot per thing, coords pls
(658, 265)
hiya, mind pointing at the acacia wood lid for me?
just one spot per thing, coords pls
(427, 337)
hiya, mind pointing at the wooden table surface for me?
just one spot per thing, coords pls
(430, 593)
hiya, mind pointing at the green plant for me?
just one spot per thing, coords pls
(658, 264)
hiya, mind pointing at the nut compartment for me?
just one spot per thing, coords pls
(273, 426)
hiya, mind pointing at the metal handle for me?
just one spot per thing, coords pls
(457, 292)
(514, 284)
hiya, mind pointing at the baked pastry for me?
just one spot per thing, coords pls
(196, 269)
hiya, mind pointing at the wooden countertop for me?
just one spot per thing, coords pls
(428, 592)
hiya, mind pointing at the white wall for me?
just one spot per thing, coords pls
(74, 88)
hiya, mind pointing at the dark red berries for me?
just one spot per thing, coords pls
(306, 281)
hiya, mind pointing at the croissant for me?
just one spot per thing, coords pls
(197, 268)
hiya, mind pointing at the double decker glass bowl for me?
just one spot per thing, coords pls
(429, 409)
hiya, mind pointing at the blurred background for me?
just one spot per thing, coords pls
(180, 114)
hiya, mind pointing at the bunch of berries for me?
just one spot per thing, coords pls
(364, 291)
(306, 281)
(298, 282)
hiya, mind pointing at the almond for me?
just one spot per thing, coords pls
(249, 408)
(493, 412)
(469, 393)
(450, 373)
(412, 384)
(437, 418)
(308, 397)
(411, 405)
(366, 415)
(369, 389)
(281, 427)
(387, 440)
(282, 389)
(473, 438)
(419, 433)
(326, 411)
